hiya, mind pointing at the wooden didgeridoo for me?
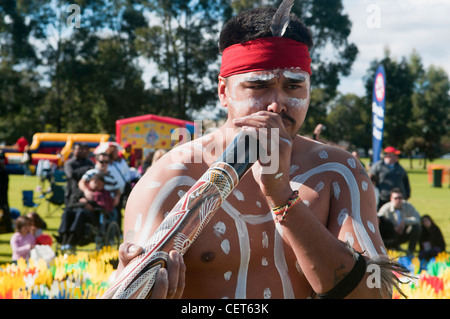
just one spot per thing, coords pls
(187, 219)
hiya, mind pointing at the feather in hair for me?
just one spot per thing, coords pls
(281, 18)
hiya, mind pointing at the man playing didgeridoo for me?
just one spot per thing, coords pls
(305, 229)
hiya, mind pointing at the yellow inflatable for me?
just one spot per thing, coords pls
(64, 142)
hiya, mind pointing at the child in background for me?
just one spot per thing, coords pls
(37, 224)
(22, 241)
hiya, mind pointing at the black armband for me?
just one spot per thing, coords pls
(349, 283)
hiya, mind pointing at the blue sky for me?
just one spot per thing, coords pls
(401, 25)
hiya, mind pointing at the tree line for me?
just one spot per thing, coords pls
(63, 70)
(417, 113)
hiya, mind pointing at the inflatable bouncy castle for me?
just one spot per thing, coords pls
(55, 147)
(148, 133)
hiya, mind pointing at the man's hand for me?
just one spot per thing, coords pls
(170, 281)
(272, 172)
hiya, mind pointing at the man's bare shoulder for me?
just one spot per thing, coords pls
(179, 161)
(314, 153)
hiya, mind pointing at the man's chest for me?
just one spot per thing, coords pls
(243, 257)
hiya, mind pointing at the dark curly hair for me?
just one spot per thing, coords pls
(253, 24)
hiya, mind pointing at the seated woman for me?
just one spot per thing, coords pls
(74, 219)
(431, 240)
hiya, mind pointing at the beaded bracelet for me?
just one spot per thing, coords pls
(281, 211)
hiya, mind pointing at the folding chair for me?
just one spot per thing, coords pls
(55, 199)
(28, 200)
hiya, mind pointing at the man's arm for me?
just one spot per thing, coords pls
(328, 253)
(83, 185)
(316, 233)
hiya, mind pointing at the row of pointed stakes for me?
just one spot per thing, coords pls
(80, 276)
(88, 275)
(432, 278)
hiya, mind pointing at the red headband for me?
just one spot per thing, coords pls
(265, 54)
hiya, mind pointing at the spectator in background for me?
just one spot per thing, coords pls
(37, 224)
(4, 185)
(111, 184)
(374, 180)
(388, 233)
(356, 155)
(45, 170)
(128, 154)
(151, 159)
(431, 240)
(404, 217)
(158, 154)
(147, 162)
(390, 174)
(21, 143)
(75, 168)
(319, 128)
(72, 228)
(25, 161)
(119, 168)
(22, 241)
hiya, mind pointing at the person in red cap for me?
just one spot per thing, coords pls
(21, 143)
(390, 174)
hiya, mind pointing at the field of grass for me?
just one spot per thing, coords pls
(427, 200)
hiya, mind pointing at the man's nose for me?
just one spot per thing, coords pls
(277, 106)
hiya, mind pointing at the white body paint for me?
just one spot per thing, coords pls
(267, 293)
(265, 240)
(336, 190)
(278, 176)
(294, 102)
(225, 245)
(257, 104)
(241, 222)
(323, 154)
(138, 223)
(153, 184)
(293, 168)
(319, 187)
(219, 229)
(177, 166)
(165, 190)
(238, 194)
(364, 185)
(351, 162)
(264, 261)
(342, 217)
(358, 226)
(227, 275)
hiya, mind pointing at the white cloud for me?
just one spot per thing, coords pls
(404, 26)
